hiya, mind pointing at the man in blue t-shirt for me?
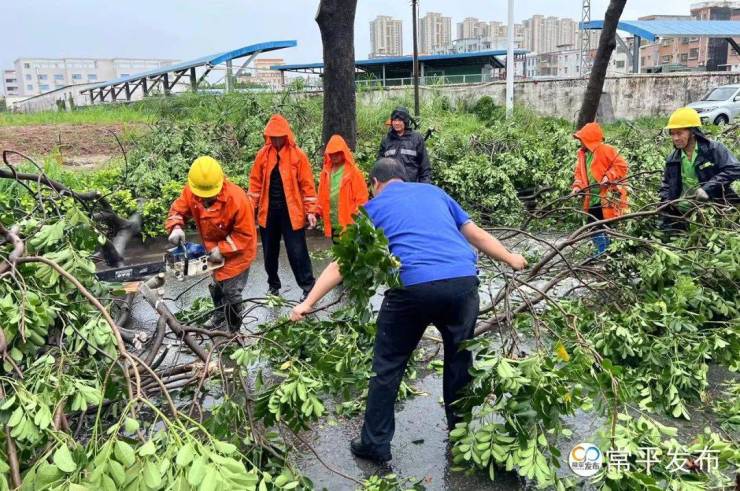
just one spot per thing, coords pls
(431, 235)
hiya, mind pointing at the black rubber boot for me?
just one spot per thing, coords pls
(363, 451)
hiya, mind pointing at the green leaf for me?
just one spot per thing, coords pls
(63, 460)
(46, 475)
(542, 440)
(131, 425)
(43, 417)
(185, 455)
(124, 453)
(16, 417)
(7, 403)
(152, 477)
(281, 480)
(197, 471)
(148, 449)
(108, 484)
(224, 447)
(458, 432)
(117, 472)
(211, 481)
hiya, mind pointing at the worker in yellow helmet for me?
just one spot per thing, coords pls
(224, 217)
(698, 168)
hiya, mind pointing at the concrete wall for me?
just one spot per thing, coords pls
(632, 96)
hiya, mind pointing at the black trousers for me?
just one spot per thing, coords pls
(672, 221)
(595, 214)
(227, 300)
(452, 306)
(278, 225)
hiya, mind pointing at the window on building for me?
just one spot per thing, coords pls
(666, 59)
(28, 76)
(29, 87)
(642, 60)
(693, 54)
(124, 75)
(76, 76)
(620, 64)
(684, 40)
(58, 77)
(43, 87)
(26, 65)
(43, 77)
(684, 57)
(92, 76)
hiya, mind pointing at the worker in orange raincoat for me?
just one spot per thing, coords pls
(599, 175)
(342, 187)
(225, 220)
(281, 186)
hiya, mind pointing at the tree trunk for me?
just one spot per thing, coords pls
(607, 43)
(336, 20)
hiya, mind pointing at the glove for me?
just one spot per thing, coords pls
(701, 195)
(177, 236)
(311, 221)
(215, 255)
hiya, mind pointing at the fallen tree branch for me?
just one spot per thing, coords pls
(11, 236)
(13, 463)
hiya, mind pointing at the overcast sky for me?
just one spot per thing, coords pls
(186, 29)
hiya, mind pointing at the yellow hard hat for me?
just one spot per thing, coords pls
(206, 178)
(685, 117)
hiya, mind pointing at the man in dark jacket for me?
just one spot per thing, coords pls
(698, 168)
(404, 144)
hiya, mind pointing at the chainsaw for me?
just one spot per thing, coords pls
(184, 261)
(189, 259)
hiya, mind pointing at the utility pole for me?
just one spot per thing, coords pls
(510, 63)
(414, 16)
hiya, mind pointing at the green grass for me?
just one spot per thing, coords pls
(108, 114)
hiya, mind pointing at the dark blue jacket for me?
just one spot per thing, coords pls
(411, 151)
(716, 169)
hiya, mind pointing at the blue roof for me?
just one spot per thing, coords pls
(651, 29)
(388, 60)
(209, 60)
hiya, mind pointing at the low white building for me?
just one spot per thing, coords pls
(36, 76)
(10, 84)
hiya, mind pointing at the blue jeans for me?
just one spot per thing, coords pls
(601, 241)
